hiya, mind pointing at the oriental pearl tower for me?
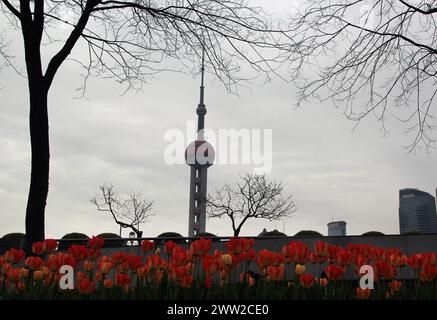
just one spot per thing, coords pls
(199, 155)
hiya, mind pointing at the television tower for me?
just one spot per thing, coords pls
(199, 155)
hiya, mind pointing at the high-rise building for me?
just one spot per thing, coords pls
(337, 228)
(417, 211)
(199, 156)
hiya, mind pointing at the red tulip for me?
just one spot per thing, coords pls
(147, 245)
(395, 286)
(122, 279)
(248, 256)
(155, 262)
(276, 273)
(334, 272)
(415, 261)
(179, 256)
(14, 255)
(107, 283)
(96, 242)
(234, 245)
(208, 282)
(79, 252)
(13, 275)
(200, 247)
(264, 259)
(187, 281)
(86, 286)
(321, 249)
(134, 262)
(39, 247)
(210, 265)
(50, 245)
(384, 270)
(343, 257)
(34, 263)
(169, 247)
(119, 257)
(306, 280)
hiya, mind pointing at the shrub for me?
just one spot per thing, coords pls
(207, 235)
(274, 233)
(373, 233)
(72, 236)
(308, 233)
(116, 240)
(12, 240)
(172, 236)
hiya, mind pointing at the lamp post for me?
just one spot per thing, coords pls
(132, 235)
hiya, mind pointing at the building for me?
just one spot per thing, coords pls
(336, 228)
(199, 155)
(417, 212)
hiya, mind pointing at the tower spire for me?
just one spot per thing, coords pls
(201, 108)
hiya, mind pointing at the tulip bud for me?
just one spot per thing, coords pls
(38, 275)
(107, 283)
(300, 269)
(226, 259)
(24, 273)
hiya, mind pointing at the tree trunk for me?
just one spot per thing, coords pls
(237, 232)
(39, 179)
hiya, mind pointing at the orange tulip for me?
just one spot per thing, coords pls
(24, 273)
(38, 275)
(363, 294)
(226, 259)
(88, 265)
(323, 282)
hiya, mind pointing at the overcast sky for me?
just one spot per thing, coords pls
(332, 172)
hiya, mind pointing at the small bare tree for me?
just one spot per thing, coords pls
(129, 212)
(254, 197)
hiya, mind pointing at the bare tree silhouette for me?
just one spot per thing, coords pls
(385, 50)
(127, 212)
(127, 40)
(253, 197)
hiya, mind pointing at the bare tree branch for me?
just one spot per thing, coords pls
(370, 58)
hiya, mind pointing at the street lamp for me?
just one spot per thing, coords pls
(132, 235)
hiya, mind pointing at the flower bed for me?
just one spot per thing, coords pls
(239, 272)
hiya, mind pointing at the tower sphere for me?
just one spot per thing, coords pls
(200, 153)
